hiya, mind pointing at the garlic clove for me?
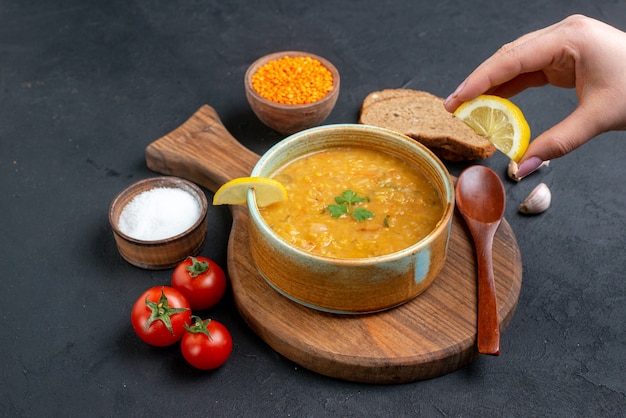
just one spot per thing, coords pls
(513, 171)
(513, 168)
(538, 200)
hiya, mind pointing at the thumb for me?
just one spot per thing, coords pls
(579, 127)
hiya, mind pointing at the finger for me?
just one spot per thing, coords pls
(507, 89)
(530, 57)
(530, 53)
(504, 74)
(519, 84)
(572, 132)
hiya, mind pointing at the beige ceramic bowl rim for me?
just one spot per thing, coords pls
(393, 137)
(276, 55)
(172, 182)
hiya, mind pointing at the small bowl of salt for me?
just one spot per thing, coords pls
(158, 222)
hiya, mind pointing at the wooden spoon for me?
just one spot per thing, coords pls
(481, 200)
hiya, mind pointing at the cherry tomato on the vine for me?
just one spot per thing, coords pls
(206, 345)
(159, 316)
(200, 280)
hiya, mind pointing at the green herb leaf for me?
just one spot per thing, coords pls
(361, 214)
(344, 204)
(337, 210)
(349, 197)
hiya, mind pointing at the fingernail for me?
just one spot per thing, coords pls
(458, 89)
(528, 166)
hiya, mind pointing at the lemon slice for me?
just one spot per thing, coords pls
(499, 121)
(235, 192)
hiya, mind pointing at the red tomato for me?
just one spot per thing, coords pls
(160, 315)
(201, 280)
(207, 344)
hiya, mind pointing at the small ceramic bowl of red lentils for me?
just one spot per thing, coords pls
(291, 91)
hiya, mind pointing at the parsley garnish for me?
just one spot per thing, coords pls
(361, 214)
(344, 205)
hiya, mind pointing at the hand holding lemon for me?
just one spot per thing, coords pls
(594, 62)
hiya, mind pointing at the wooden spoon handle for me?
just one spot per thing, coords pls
(201, 150)
(488, 324)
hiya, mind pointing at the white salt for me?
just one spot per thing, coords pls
(159, 213)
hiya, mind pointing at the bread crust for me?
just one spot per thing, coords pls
(421, 116)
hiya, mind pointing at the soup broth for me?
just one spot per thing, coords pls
(388, 204)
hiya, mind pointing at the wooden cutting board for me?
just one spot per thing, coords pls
(431, 335)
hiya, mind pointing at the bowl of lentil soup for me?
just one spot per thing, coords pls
(366, 224)
(291, 91)
(158, 222)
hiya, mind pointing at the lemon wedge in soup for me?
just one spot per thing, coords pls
(235, 192)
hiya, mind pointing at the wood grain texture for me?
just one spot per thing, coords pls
(201, 150)
(429, 336)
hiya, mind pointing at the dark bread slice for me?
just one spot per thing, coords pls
(421, 116)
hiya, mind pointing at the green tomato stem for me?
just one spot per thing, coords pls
(199, 326)
(161, 311)
(197, 267)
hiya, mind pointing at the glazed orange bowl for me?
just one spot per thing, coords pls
(290, 91)
(158, 222)
(380, 263)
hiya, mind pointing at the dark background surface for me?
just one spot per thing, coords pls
(87, 85)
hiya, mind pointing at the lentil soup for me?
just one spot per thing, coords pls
(351, 202)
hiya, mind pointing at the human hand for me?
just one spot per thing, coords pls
(578, 52)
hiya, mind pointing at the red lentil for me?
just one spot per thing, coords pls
(293, 80)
